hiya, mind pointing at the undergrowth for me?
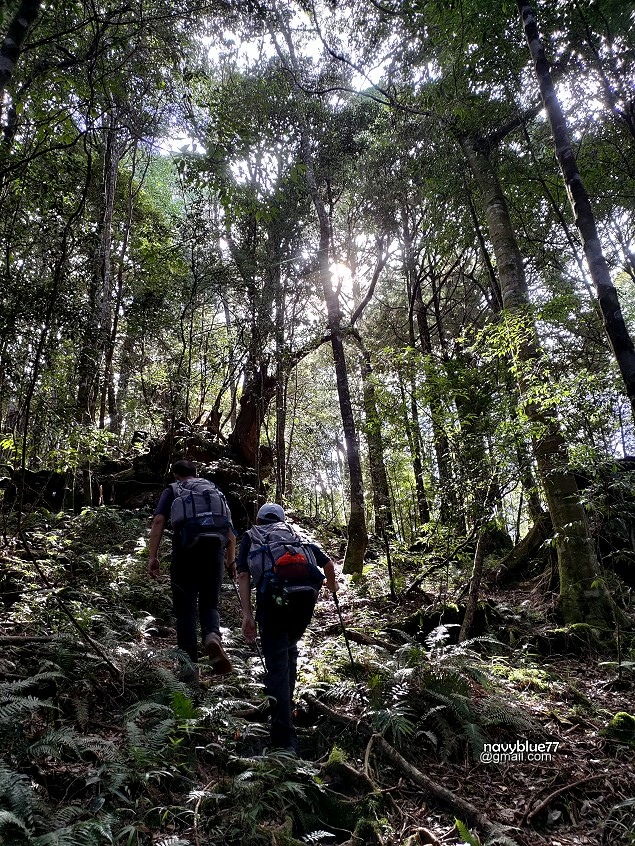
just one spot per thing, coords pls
(104, 744)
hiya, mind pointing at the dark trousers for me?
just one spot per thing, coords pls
(196, 576)
(280, 630)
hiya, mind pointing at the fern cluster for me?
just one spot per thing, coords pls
(264, 788)
(443, 696)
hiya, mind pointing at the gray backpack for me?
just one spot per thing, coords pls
(279, 557)
(199, 511)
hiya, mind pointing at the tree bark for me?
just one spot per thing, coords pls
(375, 441)
(255, 399)
(582, 597)
(612, 316)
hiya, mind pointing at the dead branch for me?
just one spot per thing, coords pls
(363, 639)
(529, 815)
(337, 717)
(438, 565)
(369, 640)
(459, 806)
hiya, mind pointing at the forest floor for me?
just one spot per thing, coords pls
(580, 787)
(103, 744)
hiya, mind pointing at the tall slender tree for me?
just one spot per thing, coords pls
(612, 315)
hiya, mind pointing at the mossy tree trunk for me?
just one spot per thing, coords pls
(583, 599)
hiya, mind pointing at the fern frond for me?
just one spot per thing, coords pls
(488, 641)
(247, 775)
(87, 833)
(14, 709)
(318, 836)
(398, 722)
(147, 708)
(469, 839)
(442, 679)
(476, 737)
(460, 706)
(478, 675)
(444, 733)
(500, 712)
(17, 795)
(10, 821)
(151, 740)
(65, 816)
(82, 712)
(58, 741)
(14, 687)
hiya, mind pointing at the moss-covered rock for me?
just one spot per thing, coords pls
(621, 728)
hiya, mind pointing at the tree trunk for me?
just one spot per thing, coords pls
(108, 396)
(418, 311)
(357, 532)
(613, 318)
(581, 599)
(372, 430)
(98, 327)
(16, 35)
(282, 380)
(475, 584)
(421, 514)
(255, 399)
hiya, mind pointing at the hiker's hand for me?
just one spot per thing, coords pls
(329, 572)
(249, 628)
(154, 568)
(230, 566)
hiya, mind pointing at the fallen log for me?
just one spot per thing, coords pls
(338, 717)
(529, 547)
(460, 807)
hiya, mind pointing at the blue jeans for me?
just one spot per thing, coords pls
(280, 630)
(196, 576)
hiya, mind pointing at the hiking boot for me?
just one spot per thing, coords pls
(221, 665)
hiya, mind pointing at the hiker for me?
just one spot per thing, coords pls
(284, 606)
(203, 539)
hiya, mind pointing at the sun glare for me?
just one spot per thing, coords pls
(342, 278)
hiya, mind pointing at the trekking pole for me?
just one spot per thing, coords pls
(240, 603)
(348, 646)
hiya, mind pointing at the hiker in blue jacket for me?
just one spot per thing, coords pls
(282, 619)
(196, 574)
